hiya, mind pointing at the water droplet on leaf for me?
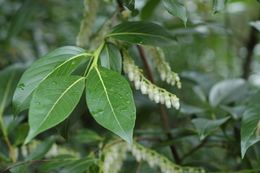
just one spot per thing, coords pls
(21, 86)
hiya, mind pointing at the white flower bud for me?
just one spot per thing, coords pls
(143, 88)
(137, 84)
(150, 92)
(175, 102)
(169, 78)
(162, 100)
(156, 96)
(131, 76)
(163, 75)
(168, 103)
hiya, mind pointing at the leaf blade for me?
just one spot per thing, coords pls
(250, 128)
(141, 33)
(50, 107)
(175, 8)
(40, 70)
(115, 108)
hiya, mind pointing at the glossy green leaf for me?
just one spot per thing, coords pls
(176, 8)
(227, 91)
(142, 33)
(61, 61)
(218, 5)
(110, 101)
(68, 164)
(111, 58)
(8, 80)
(52, 102)
(205, 126)
(250, 129)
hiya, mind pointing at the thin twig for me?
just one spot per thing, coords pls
(163, 113)
(201, 144)
(250, 48)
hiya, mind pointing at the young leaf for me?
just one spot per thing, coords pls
(142, 33)
(61, 61)
(226, 91)
(8, 82)
(250, 130)
(110, 101)
(111, 58)
(52, 102)
(205, 127)
(175, 8)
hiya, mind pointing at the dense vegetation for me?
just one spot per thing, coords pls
(129, 86)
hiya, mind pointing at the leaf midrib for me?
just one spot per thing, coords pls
(135, 33)
(108, 99)
(59, 98)
(53, 70)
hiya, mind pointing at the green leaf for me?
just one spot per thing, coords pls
(21, 133)
(218, 5)
(250, 129)
(20, 18)
(142, 33)
(87, 136)
(20, 169)
(130, 4)
(61, 61)
(52, 102)
(41, 149)
(68, 164)
(205, 126)
(148, 9)
(176, 8)
(227, 91)
(110, 101)
(8, 80)
(256, 24)
(111, 58)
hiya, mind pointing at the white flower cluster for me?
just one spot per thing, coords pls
(155, 93)
(164, 68)
(114, 157)
(155, 159)
(115, 154)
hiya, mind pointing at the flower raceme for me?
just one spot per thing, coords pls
(116, 152)
(155, 93)
(163, 67)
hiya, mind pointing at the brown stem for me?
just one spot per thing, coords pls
(120, 6)
(252, 41)
(201, 144)
(164, 115)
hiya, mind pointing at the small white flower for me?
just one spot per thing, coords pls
(137, 84)
(131, 76)
(156, 96)
(143, 87)
(175, 102)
